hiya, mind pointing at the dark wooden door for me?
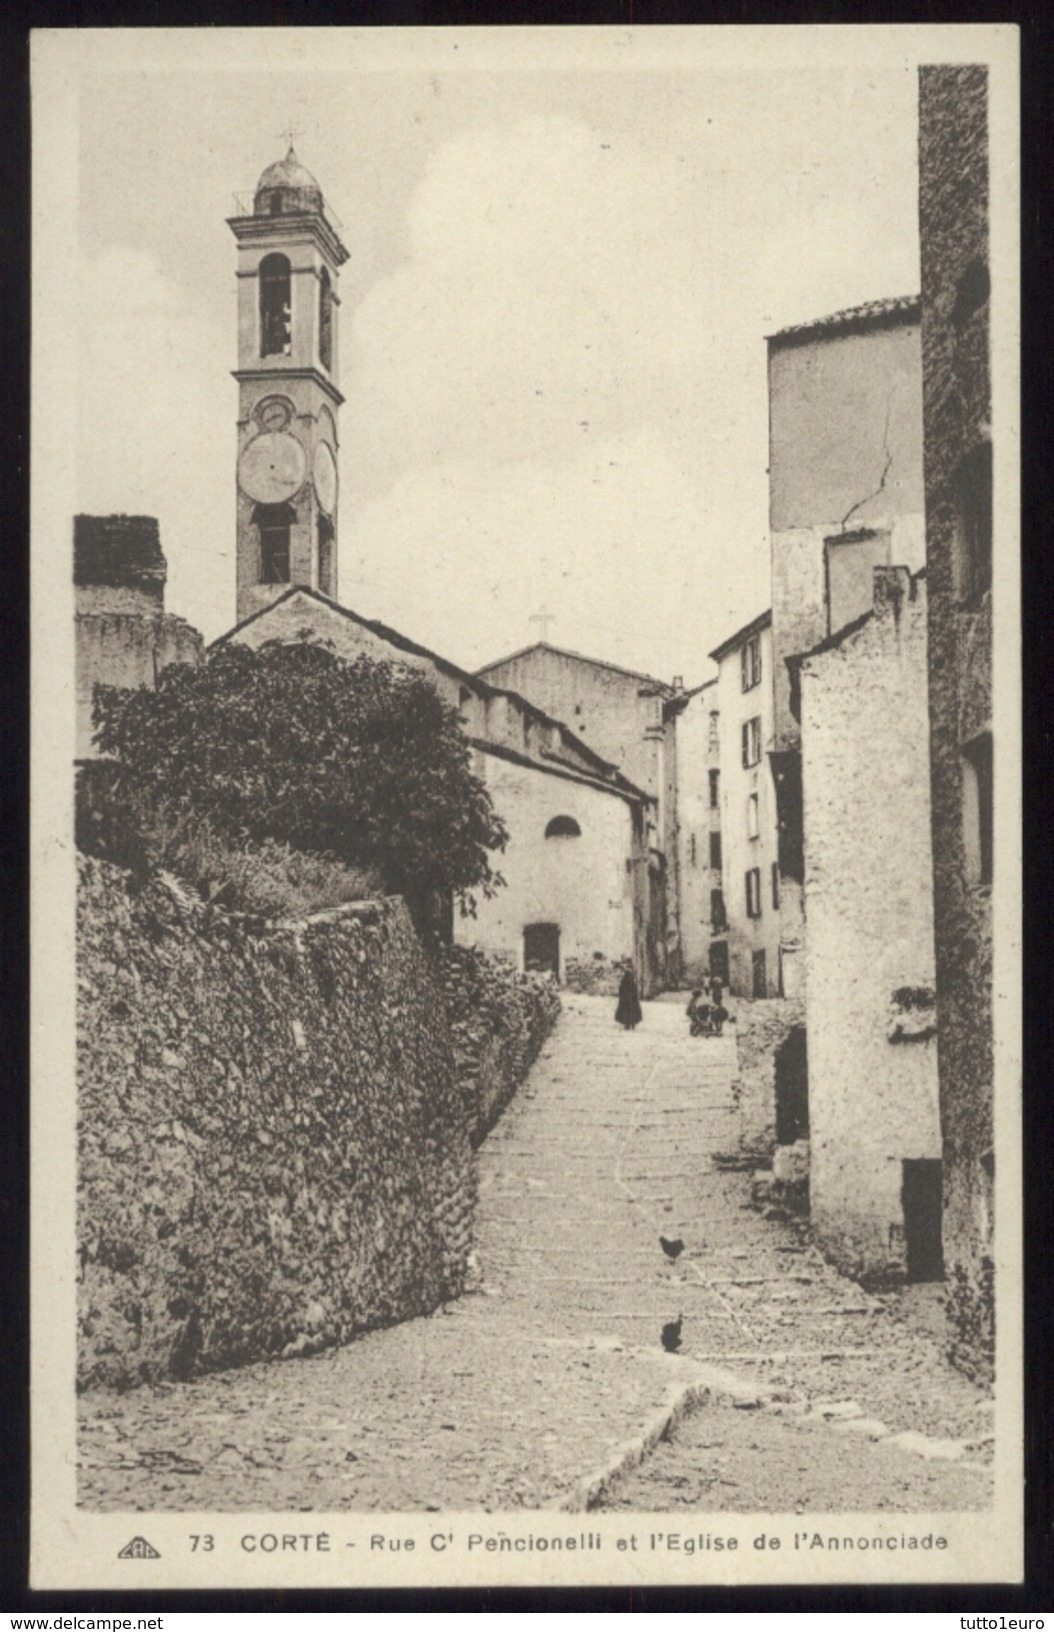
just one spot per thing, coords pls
(921, 1197)
(541, 947)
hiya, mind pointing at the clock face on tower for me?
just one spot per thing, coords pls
(273, 413)
(324, 470)
(272, 467)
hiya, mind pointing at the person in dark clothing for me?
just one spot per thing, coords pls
(628, 1012)
(698, 1014)
(717, 992)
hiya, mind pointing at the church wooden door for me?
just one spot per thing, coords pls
(541, 947)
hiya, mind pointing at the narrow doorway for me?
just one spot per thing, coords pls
(719, 961)
(792, 1088)
(541, 948)
(921, 1200)
(759, 976)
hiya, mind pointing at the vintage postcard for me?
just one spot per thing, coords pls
(526, 1058)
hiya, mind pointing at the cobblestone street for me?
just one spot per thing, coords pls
(548, 1382)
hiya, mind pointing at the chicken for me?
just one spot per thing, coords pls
(671, 1335)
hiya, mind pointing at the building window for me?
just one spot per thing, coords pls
(691, 849)
(751, 741)
(715, 849)
(717, 909)
(713, 737)
(753, 882)
(977, 808)
(715, 789)
(973, 500)
(775, 886)
(759, 978)
(325, 320)
(851, 560)
(563, 827)
(274, 522)
(753, 825)
(750, 661)
(276, 330)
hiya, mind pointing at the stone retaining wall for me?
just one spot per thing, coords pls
(762, 1028)
(275, 1145)
(597, 976)
(499, 1020)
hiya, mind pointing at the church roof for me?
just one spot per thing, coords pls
(607, 774)
(579, 657)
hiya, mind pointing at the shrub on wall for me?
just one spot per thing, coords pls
(143, 835)
(362, 761)
(499, 1020)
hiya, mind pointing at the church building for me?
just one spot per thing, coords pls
(579, 893)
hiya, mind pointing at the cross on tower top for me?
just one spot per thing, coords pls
(290, 133)
(545, 618)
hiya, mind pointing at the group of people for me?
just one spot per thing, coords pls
(706, 1010)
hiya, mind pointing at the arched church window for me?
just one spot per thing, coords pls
(274, 522)
(276, 327)
(563, 827)
(325, 556)
(325, 320)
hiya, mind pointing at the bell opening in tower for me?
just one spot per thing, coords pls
(325, 557)
(325, 321)
(276, 329)
(274, 522)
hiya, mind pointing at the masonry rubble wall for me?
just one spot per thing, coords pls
(958, 418)
(762, 1028)
(499, 1020)
(598, 976)
(123, 635)
(275, 1136)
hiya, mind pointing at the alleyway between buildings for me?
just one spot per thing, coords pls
(544, 1385)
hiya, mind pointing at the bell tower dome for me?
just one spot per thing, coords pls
(289, 259)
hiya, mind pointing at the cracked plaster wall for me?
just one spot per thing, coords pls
(869, 916)
(845, 452)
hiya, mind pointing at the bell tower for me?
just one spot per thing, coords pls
(289, 260)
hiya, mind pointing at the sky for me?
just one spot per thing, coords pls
(563, 265)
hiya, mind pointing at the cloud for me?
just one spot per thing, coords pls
(619, 541)
(532, 298)
(151, 397)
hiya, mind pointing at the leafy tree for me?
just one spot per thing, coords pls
(362, 761)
